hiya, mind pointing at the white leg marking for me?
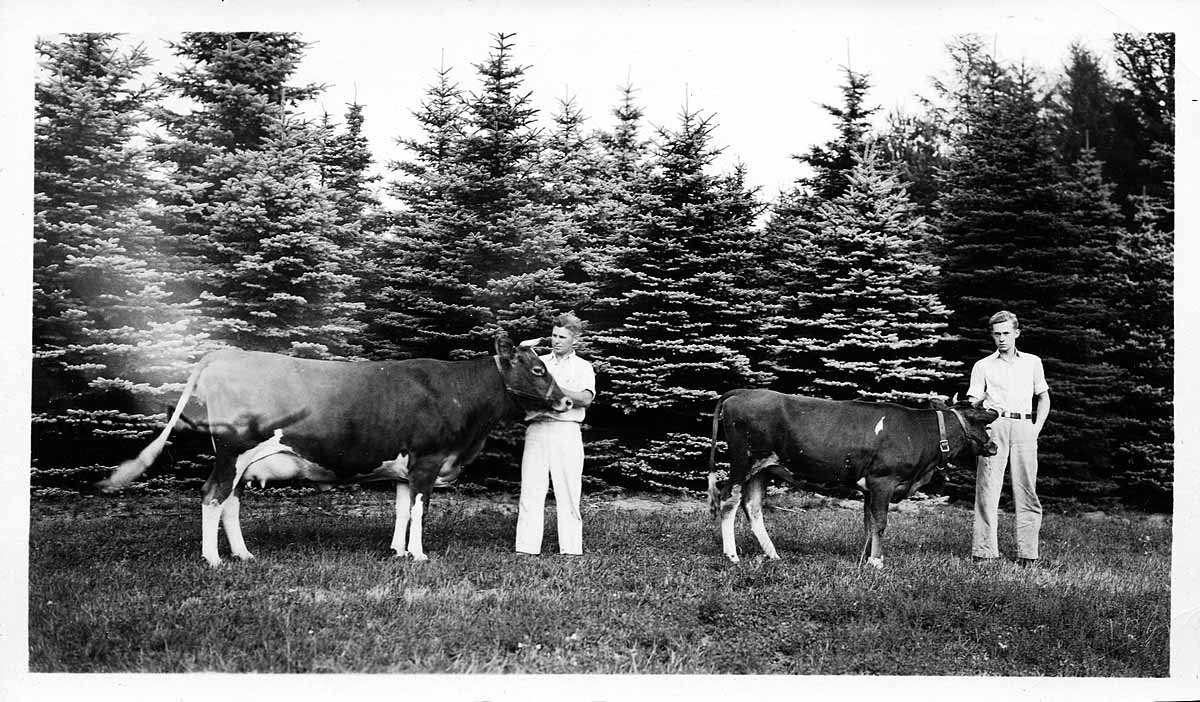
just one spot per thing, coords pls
(403, 506)
(876, 562)
(729, 510)
(879, 426)
(231, 519)
(753, 501)
(414, 537)
(210, 521)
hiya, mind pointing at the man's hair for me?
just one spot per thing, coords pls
(1003, 316)
(569, 322)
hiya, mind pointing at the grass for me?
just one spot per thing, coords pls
(119, 586)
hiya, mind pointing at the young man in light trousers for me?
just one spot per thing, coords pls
(554, 447)
(1008, 381)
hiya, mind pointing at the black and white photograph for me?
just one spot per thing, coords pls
(660, 349)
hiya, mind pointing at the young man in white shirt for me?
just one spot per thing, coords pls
(554, 447)
(1008, 381)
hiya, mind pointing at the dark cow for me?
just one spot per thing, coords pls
(415, 422)
(885, 450)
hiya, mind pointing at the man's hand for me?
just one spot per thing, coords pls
(530, 343)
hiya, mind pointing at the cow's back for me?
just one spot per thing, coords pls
(348, 416)
(826, 441)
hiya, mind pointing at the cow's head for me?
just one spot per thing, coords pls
(526, 378)
(975, 420)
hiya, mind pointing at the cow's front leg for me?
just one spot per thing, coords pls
(415, 544)
(729, 507)
(875, 521)
(403, 511)
(756, 489)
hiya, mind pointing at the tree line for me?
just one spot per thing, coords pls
(203, 208)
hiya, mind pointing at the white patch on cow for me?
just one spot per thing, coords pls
(879, 426)
(862, 484)
(396, 469)
(403, 508)
(231, 519)
(210, 521)
(274, 460)
(728, 518)
(415, 546)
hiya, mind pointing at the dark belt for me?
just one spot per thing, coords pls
(1015, 415)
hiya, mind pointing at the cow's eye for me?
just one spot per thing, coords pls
(538, 371)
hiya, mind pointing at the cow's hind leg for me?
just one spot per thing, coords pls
(214, 496)
(728, 519)
(231, 519)
(756, 489)
(403, 512)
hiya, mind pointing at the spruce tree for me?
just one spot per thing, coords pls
(281, 274)
(107, 339)
(411, 287)
(690, 318)
(486, 245)
(854, 322)
(1019, 234)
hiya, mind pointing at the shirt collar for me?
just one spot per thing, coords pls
(996, 354)
(554, 357)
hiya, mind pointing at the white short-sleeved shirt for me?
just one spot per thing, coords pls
(571, 373)
(1008, 385)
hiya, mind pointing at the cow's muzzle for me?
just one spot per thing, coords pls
(989, 449)
(563, 404)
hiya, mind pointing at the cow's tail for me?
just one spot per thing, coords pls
(718, 490)
(132, 469)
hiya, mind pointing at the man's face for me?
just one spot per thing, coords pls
(1005, 336)
(562, 341)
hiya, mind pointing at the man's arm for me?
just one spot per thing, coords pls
(581, 399)
(1043, 410)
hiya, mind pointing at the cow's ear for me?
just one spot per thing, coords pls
(977, 403)
(954, 399)
(504, 346)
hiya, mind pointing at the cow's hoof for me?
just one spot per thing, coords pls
(419, 557)
(732, 557)
(773, 557)
(876, 563)
(213, 562)
(247, 556)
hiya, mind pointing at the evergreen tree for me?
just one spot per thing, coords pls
(1020, 234)
(487, 246)
(1146, 115)
(689, 318)
(916, 147)
(281, 274)
(106, 338)
(1145, 350)
(229, 92)
(414, 298)
(831, 162)
(345, 164)
(853, 321)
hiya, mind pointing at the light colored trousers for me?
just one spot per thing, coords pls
(553, 453)
(1017, 444)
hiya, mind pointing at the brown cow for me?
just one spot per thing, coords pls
(885, 450)
(414, 422)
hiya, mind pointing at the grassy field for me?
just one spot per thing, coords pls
(119, 585)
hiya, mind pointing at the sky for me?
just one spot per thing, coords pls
(762, 67)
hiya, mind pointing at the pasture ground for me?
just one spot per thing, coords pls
(118, 585)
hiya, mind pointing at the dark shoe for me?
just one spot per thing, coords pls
(983, 559)
(1029, 562)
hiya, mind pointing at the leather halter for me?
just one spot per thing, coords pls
(943, 442)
